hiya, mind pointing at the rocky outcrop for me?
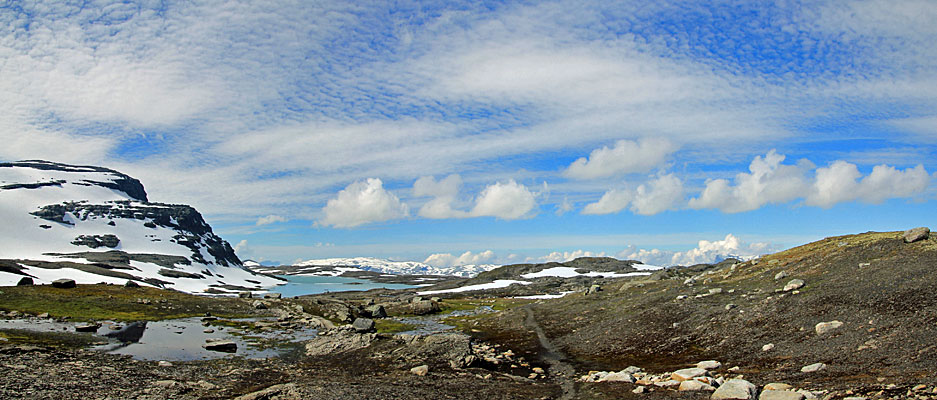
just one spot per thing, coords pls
(95, 241)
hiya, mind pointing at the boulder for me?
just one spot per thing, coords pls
(131, 284)
(618, 377)
(259, 305)
(164, 364)
(376, 311)
(420, 371)
(780, 395)
(813, 368)
(780, 275)
(423, 307)
(594, 289)
(363, 325)
(244, 295)
(63, 283)
(338, 341)
(225, 346)
(687, 373)
(735, 389)
(695, 386)
(827, 327)
(709, 364)
(767, 347)
(273, 295)
(777, 386)
(794, 284)
(913, 235)
(25, 281)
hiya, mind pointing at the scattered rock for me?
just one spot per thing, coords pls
(63, 283)
(767, 347)
(777, 386)
(338, 341)
(594, 289)
(43, 315)
(823, 328)
(715, 291)
(131, 284)
(780, 395)
(273, 295)
(259, 305)
(25, 281)
(376, 311)
(363, 325)
(244, 295)
(639, 390)
(225, 346)
(420, 371)
(618, 377)
(693, 385)
(730, 306)
(780, 275)
(813, 368)
(423, 307)
(283, 391)
(164, 364)
(687, 373)
(709, 364)
(735, 389)
(916, 234)
(794, 284)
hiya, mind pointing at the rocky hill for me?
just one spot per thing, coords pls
(93, 224)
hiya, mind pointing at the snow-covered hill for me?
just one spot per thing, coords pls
(399, 267)
(95, 225)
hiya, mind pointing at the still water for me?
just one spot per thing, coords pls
(299, 285)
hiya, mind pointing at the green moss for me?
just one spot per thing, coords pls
(392, 326)
(117, 303)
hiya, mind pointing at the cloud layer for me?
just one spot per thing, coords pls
(360, 203)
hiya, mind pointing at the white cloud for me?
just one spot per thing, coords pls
(705, 252)
(659, 195)
(508, 200)
(839, 183)
(242, 248)
(564, 207)
(768, 182)
(611, 202)
(361, 203)
(270, 219)
(444, 193)
(467, 258)
(626, 157)
(564, 256)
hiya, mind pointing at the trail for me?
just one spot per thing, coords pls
(562, 371)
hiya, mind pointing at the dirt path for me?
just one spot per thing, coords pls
(561, 371)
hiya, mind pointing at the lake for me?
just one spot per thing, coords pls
(299, 285)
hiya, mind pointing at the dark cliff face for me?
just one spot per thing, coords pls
(119, 181)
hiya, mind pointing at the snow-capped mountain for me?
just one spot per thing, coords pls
(94, 225)
(399, 267)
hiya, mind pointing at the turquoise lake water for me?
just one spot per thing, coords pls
(303, 285)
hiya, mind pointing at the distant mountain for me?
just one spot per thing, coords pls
(94, 225)
(399, 267)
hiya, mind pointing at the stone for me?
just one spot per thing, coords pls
(25, 281)
(780, 275)
(639, 390)
(777, 386)
(63, 283)
(420, 371)
(376, 311)
(709, 364)
(735, 389)
(244, 295)
(281, 391)
(618, 377)
(916, 234)
(681, 297)
(767, 347)
(715, 291)
(794, 284)
(824, 328)
(780, 395)
(538, 370)
(673, 383)
(92, 327)
(131, 284)
(43, 315)
(687, 373)
(730, 306)
(225, 346)
(594, 289)
(273, 295)
(695, 386)
(363, 325)
(423, 307)
(259, 305)
(164, 364)
(168, 384)
(813, 368)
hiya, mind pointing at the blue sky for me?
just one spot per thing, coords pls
(491, 132)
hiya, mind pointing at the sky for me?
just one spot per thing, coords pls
(491, 132)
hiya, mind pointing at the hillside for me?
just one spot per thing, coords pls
(94, 224)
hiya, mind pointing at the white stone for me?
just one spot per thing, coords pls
(767, 347)
(617, 377)
(695, 386)
(794, 284)
(687, 373)
(709, 364)
(420, 371)
(735, 389)
(780, 395)
(827, 327)
(813, 367)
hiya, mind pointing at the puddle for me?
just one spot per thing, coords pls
(430, 324)
(171, 340)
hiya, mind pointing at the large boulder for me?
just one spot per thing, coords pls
(735, 389)
(423, 307)
(376, 311)
(794, 284)
(363, 325)
(824, 328)
(25, 281)
(338, 341)
(913, 235)
(63, 283)
(688, 373)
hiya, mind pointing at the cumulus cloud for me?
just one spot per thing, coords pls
(270, 219)
(705, 252)
(505, 200)
(768, 182)
(658, 195)
(840, 183)
(467, 258)
(625, 157)
(444, 193)
(558, 256)
(360, 203)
